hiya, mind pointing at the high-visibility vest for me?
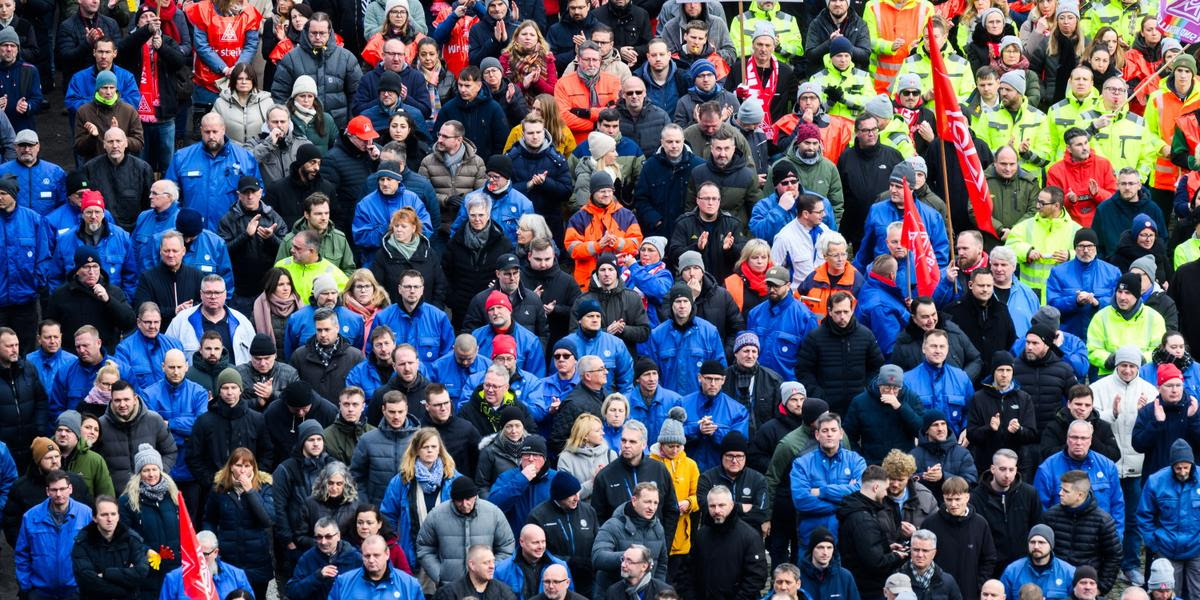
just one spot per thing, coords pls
(1162, 113)
(226, 36)
(891, 22)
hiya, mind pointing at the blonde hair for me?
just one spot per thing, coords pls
(223, 480)
(514, 51)
(379, 300)
(613, 398)
(548, 108)
(751, 248)
(582, 428)
(109, 368)
(1052, 45)
(133, 490)
(408, 462)
(899, 465)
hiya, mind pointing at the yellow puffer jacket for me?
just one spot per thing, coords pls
(684, 476)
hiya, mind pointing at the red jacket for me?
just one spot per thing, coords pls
(1074, 176)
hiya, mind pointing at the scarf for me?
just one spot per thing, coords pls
(167, 14)
(509, 448)
(98, 396)
(429, 478)
(325, 352)
(474, 240)
(401, 248)
(101, 100)
(590, 84)
(1003, 69)
(454, 160)
(912, 117)
(1162, 357)
(154, 493)
(148, 85)
(765, 90)
(305, 114)
(705, 96)
(756, 281)
(808, 160)
(266, 307)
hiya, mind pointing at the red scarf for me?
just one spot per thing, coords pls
(148, 85)
(765, 90)
(167, 15)
(757, 281)
(912, 116)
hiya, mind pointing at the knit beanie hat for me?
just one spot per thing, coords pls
(671, 431)
(659, 242)
(1086, 234)
(262, 345)
(304, 84)
(41, 445)
(839, 45)
(600, 180)
(691, 258)
(497, 298)
(1085, 572)
(879, 107)
(1002, 358)
(1168, 372)
(600, 144)
(504, 344)
(643, 365)
(701, 66)
(784, 168)
(1146, 265)
(1048, 316)
(463, 488)
(820, 534)
(751, 112)
(813, 408)
(500, 164)
(146, 455)
(712, 367)
(189, 222)
(566, 344)
(587, 306)
(563, 486)
(8, 35)
(734, 441)
(71, 419)
(1043, 531)
(1142, 221)
(1128, 354)
(104, 78)
(307, 429)
(323, 283)
(1162, 575)
(230, 375)
(1068, 7)
(1130, 282)
(903, 171)
(743, 339)
(1015, 79)
(9, 185)
(931, 416)
(298, 394)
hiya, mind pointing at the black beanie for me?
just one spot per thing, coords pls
(734, 442)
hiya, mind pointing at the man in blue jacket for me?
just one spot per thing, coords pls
(373, 214)
(881, 305)
(822, 576)
(325, 294)
(890, 210)
(457, 366)
(73, 382)
(1052, 574)
(26, 258)
(589, 339)
(43, 184)
(96, 229)
(82, 87)
(226, 577)
(43, 547)
(376, 578)
(821, 479)
(662, 187)
(481, 117)
(650, 402)
(1082, 286)
(164, 208)
(523, 570)
(208, 171)
(711, 414)
(179, 401)
(684, 341)
(143, 351)
(499, 313)
(205, 250)
(1079, 456)
(320, 565)
(557, 385)
(508, 204)
(781, 323)
(1171, 416)
(942, 387)
(1167, 518)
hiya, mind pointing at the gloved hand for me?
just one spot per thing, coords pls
(1110, 363)
(833, 95)
(582, 113)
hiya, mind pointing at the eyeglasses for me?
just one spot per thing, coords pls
(789, 181)
(325, 536)
(600, 370)
(553, 581)
(212, 293)
(871, 130)
(363, 286)
(1085, 246)
(209, 552)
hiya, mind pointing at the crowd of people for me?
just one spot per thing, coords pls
(610, 299)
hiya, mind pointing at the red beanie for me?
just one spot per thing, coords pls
(1167, 372)
(504, 344)
(497, 298)
(91, 198)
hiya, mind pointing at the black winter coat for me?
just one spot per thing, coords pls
(1009, 514)
(388, 266)
(483, 118)
(569, 536)
(346, 169)
(963, 354)
(630, 25)
(335, 69)
(718, 261)
(74, 306)
(109, 569)
(1054, 435)
(120, 440)
(865, 174)
(281, 425)
(126, 186)
(621, 591)
(550, 196)
(461, 440)
(864, 542)
(242, 523)
(731, 563)
(581, 400)
(835, 364)
(291, 487)
(560, 34)
(526, 310)
(413, 391)
(1185, 289)
(557, 286)
(251, 256)
(158, 524)
(941, 586)
(24, 411)
(761, 399)
(618, 303)
(1086, 535)
(328, 380)
(989, 328)
(973, 557)
(73, 51)
(715, 305)
(817, 40)
(30, 491)
(1013, 404)
(1046, 380)
(287, 195)
(469, 271)
(170, 59)
(749, 487)
(168, 289)
(763, 443)
(221, 430)
(611, 488)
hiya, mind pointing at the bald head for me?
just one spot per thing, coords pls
(992, 590)
(115, 143)
(555, 582)
(533, 542)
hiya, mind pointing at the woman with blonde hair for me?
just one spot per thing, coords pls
(406, 248)
(97, 399)
(426, 472)
(586, 452)
(148, 507)
(334, 495)
(748, 282)
(239, 511)
(528, 61)
(365, 297)
(1064, 50)
(545, 107)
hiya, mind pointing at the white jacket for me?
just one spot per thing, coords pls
(1104, 392)
(188, 329)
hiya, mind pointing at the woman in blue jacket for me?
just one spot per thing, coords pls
(239, 511)
(426, 471)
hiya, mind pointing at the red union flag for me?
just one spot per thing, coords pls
(197, 581)
(916, 239)
(952, 127)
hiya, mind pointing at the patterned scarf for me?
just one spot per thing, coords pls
(765, 90)
(429, 478)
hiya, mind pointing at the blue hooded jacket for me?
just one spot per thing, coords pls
(781, 328)
(1168, 515)
(395, 508)
(516, 495)
(208, 183)
(653, 282)
(1102, 472)
(530, 356)
(728, 414)
(449, 373)
(1022, 303)
(43, 549)
(73, 382)
(143, 357)
(373, 214)
(1073, 276)
(1055, 581)
(881, 309)
(549, 388)
(836, 476)
(116, 256)
(227, 579)
(427, 328)
(767, 217)
(884, 213)
(178, 405)
(26, 243)
(366, 375)
(612, 351)
(307, 583)
(680, 352)
(43, 186)
(300, 327)
(946, 388)
(396, 585)
(49, 366)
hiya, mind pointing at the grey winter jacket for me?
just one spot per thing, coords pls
(446, 534)
(377, 458)
(617, 534)
(582, 463)
(122, 438)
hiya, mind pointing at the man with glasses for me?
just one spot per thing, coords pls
(556, 584)
(320, 565)
(748, 486)
(395, 60)
(565, 378)
(774, 212)
(226, 577)
(236, 330)
(459, 436)
(1082, 286)
(1121, 136)
(42, 550)
(315, 54)
(1114, 216)
(611, 61)
(45, 182)
(413, 319)
(716, 234)
(928, 578)
(1045, 240)
(143, 351)
(865, 169)
(579, 101)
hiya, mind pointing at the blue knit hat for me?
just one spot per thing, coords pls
(563, 486)
(701, 66)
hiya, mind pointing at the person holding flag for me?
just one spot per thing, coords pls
(916, 235)
(893, 208)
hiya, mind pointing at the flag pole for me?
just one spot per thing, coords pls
(946, 202)
(742, 38)
(1145, 82)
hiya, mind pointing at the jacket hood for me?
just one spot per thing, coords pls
(857, 502)
(735, 164)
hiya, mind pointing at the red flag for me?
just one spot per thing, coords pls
(916, 239)
(952, 127)
(197, 581)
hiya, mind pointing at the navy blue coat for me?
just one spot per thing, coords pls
(242, 523)
(551, 194)
(483, 120)
(660, 192)
(307, 583)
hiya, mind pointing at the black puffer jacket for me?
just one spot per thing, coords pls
(1009, 514)
(470, 271)
(1054, 435)
(569, 536)
(1012, 404)
(835, 363)
(1086, 535)
(730, 558)
(346, 169)
(941, 585)
(242, 522)
(24, 409)
(974, 556)
(865, 174)
(715, 305)
(990, 327)
(125, 186)
(864, 541)
(762, 445)
(251, 256)
(109, 568)
(761, 399)
(292, 486)
(559, 287)
(526, 310)
(121, 439)
(327, 380)
(335, 70)
(611, 488)
(1046, 380)
(907, 352)
(414, 392)
(74, 306)
(389, 265)
(221, 430)
(282, 425)
(618, 303)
